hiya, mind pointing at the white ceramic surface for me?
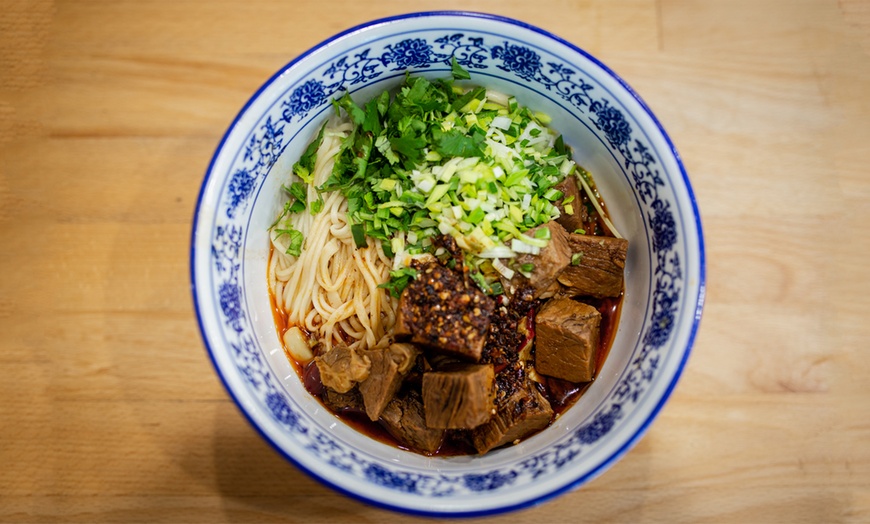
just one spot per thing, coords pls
(614, 135)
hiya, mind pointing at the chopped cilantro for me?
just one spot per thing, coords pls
(317, 205)
(433, 158)
(372, 122)
(458, 72)
(410, 147)
(305, 166)
(298, 193)
(294, 206)
(457, 143)
(296, 190)
(399, 280)
(296, 239)
(356, 114)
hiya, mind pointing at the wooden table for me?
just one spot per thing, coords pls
(110, 112)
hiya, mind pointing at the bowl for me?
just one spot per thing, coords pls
(614, 136)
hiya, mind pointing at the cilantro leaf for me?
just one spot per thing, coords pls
(410, 147)
(421, 96)
(399, 280)
(458, 72)
(317, 205)
(305, 166)
(383, 103)
(383, 145)
(295, 207)
(372, 122)
(456, 143)
(296, 240)
(356, 114)
(298, 197)
(296, 190)
(343, 163)
(363, 148)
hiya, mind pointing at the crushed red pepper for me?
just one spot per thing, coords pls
(441, 308)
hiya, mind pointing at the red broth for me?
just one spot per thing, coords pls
(560, 393)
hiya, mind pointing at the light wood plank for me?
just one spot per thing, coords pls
(109, 115)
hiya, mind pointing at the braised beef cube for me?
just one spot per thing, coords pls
(338, 402)
(404, 419)
(552, 291)
(460, 397)
(523, 413)
(574, 219)
(442, 310)
(566, 341)
(341, 368)
(597, 266)
(548, 264)
(389, 366)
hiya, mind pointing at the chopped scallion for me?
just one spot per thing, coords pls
(359, 235)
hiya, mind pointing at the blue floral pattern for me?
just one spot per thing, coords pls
(261, 152)
(230, 296)
(492, 480)
(304, 98)
(518, 59)
(241, 187)
(663, 225)
(282, 411)
(611, 121)
(566, 82)
(412, 52)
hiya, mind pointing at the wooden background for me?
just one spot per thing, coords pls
(109, 114)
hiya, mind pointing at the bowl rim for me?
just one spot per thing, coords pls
(604, 464)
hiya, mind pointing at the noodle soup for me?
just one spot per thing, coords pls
(445, 277)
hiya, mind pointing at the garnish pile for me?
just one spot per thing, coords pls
(441, 159)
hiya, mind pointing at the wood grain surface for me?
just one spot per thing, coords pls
(110, 410)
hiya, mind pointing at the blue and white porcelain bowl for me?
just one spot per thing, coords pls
(614, 135)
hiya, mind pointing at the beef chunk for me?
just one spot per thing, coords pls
(338, 402)
(403, 418)
(341, 368)
(522, 413)
(574, 220)
(460, 397)
(566, 344)
(389, 366)
(597, 270)
(443, 310)
(549, 263)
